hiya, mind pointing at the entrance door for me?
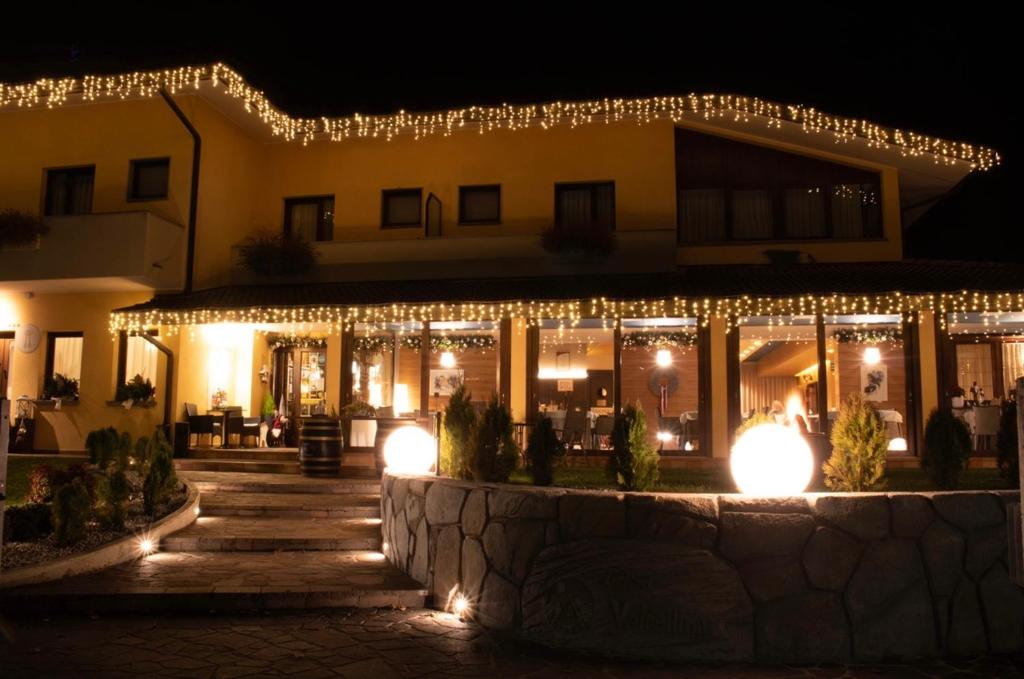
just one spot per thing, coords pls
(6, 343)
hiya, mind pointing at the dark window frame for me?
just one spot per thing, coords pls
(133, 166)
(324, 226)
(47, 175)
(122, 354)
(470, 188)
(385, 194)
(592, 186)
(51, 345)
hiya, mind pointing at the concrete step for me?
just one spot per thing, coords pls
(245, 482)
(202, 581)
(246, 454)
(250, 466)
(292, 505)
(263, 534)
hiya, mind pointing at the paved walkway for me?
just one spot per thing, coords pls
(378, 644)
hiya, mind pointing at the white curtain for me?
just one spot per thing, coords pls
(140, 359)
(702, 215)
(304, 220)
(67, 357)
(1013, 365)
(805, 213)
(752, 215)
(847, 211)
(758, 393)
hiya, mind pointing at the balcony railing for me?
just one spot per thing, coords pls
(106, 251)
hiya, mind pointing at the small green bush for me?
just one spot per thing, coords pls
(60, 386)
(41, 484)
(106, 446)
(160, 479)
(268, 408)
(1007, 444)
(79, 472)
(859, 448)
(633, 464)
(543, 450)
(457, 439)
(136, 389)
(70, 510)
(947, 446)
(112, 499)
(26, 523)
(494, 450)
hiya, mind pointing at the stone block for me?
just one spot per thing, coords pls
(399, 491)
(810, 627)
(419, 486)
(511, 546)
(942, 547)
(966, 628)
(773, 578)
(447, 557)
(499, 603)
(474, 568)
(984, 547)
(903, 628)
(400, 541)
(420, 563)
(672, 527)
(753, 535)
(863, 516)
(523, 504)
(444, 504)
(830, 557)
(474, 513)
(591, 516)
(704, 507)
(414, 508)
(887, 568)
(969, 511)
(639, 599)
(911, 515)
(1003, 604)
(763, 505)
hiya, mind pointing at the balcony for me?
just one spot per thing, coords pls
(114, 251)
(476, 257)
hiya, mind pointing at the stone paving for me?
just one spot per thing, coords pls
(292, 505)
(245, 533)
(361, 643)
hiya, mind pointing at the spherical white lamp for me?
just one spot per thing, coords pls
(771, 459)
(410, 450)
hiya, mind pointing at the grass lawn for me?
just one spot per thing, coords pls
(720, 480)
(20, 466)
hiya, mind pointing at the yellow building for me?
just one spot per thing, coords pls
(707, 256)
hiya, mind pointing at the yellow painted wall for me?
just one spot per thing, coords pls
(928, 363)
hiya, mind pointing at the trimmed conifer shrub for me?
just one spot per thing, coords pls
(947, 446)
(112, 498)
(495, 452)
(160, 479)
(633, 464)
(457, 435)
(859, 448)
(543, 450)
(1007, 444)
(70, 511)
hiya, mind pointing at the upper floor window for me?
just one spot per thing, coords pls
(733, 191)
(310, 218)
(480, 204)
(401, 208)
(585, 204)
(69, 191)
(148, 179)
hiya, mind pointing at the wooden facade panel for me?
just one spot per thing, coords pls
(848, 362)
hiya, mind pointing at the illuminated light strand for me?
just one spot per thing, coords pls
(55, 92)
(949, 308)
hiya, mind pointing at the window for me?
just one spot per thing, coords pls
(136, 356)
(148, 179)
(585, 204)
(63, 358)
(310, 218)
(732, 191)
(480, 204)
(401, 207)
(69, 191)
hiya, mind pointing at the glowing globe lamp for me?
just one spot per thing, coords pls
(771, 459)
(410, 450)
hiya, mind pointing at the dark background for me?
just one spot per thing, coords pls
(938, 73)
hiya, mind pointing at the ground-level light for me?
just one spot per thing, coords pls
(460, 606)
(410, 450)
(772, 459)
(146, 546)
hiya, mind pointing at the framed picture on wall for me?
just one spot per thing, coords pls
(445, 382)
(563, 361)
(874, 382)
(565, 385)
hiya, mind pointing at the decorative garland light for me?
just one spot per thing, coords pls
(54, 92)
(868, 335)
(296, 342)
(659, 340)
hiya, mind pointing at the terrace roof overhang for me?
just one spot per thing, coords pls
(710, 290)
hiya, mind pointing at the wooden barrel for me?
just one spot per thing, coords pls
(320, 446)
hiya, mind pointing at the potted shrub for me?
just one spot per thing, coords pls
(270, 253)
(357, 410)
(947, 445)
(268, 408)
(136, 391)
(60, 387)
(19, 229)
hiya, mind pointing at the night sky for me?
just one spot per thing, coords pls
(944, 75)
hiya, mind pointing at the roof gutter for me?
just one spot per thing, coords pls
(193, 202)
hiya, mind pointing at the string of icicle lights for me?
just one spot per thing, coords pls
(571, 313)
(53, 92)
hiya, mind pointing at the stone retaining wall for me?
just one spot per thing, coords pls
(821, 577)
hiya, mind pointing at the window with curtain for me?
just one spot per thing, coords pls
(140, 358)
(589, 204)
(766, 194)
(64, 355)
(310, 218)
(401, 208)
(69, 191)
(1013, 365)
(148, 179)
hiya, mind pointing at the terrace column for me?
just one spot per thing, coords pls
(719, 410)
(425, 369)
(348, 339)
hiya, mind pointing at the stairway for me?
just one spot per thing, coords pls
(262, 541)
(268, 461)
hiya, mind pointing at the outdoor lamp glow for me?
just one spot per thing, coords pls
(447, 359)
(410, 450)
(663, 358)
(898, 445)
(771, 459)
(146, 546)
(401, 400)
(872, 355)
